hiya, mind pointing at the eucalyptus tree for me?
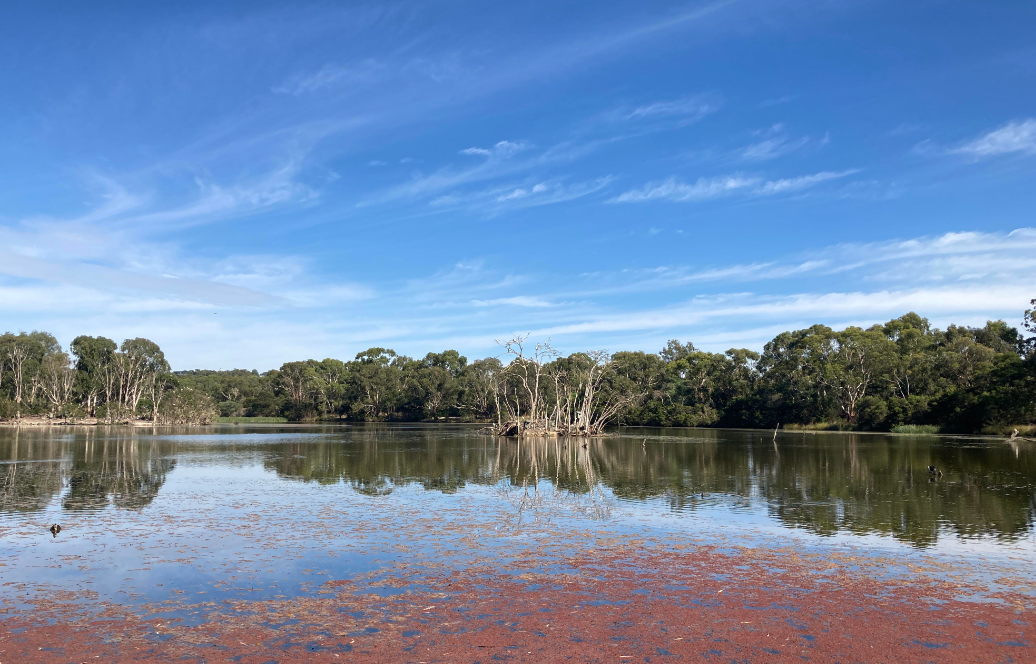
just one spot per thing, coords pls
(328, 379)
(649, 371)
(450, 360)
(859, 357)
(94, 357)
(379, 379)
(439, 389)
(480, 384)
(138, 366)
(1029, 323)
(297, 379)
(792, 382)
(23, 354)
(58, 378)
(962, 358)
(700, 379)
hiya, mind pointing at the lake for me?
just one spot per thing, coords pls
(183, 540)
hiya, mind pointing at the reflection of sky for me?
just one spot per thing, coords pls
(225, 527)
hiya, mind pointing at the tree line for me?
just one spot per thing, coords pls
(903, 372)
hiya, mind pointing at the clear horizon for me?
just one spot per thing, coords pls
(251, 184)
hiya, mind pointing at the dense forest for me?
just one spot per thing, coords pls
(904, 373)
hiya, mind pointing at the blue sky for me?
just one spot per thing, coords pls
(252, 183)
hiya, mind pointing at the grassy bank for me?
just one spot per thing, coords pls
(1007, 429)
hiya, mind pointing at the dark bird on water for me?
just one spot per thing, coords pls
(55, 529)
(932, 470)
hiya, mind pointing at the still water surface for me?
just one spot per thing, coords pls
(235, 511)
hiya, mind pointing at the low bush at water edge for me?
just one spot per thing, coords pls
(915, 428)
(251, 420)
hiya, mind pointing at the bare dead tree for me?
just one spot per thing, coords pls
(581, 406)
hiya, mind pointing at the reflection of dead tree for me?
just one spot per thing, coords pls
(587, 392)
(574, 489)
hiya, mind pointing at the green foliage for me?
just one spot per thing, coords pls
(904, 373)
(915, 428)
(113, 412)
(229, 409)
(7, 408)
(873, 414)
(188, 406)
(71, 412)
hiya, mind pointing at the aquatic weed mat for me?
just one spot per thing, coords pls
(615, 602)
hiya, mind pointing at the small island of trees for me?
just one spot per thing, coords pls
(899, 376)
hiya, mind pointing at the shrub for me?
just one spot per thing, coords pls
(188, 406)
(873, 414)
(915, 428)
(113, 413)
(71, 411)
(229, 409)
(7, 408)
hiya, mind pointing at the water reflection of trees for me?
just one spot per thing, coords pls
(28, 486)
(377, 460)
(825, 483)
(98, 466)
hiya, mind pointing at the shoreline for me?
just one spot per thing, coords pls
(89, 423)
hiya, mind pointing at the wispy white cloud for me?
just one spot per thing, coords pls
(970, 276)
(1017, 136)
(516, 301)
(502, 149)
(706, 188)
(332, 76)
(156, 286)
(509, 196)
(504, 159)
(674, 190)
(688, 109)
(828, 307)
(951, 257)
(786, 185)
(776, 142)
